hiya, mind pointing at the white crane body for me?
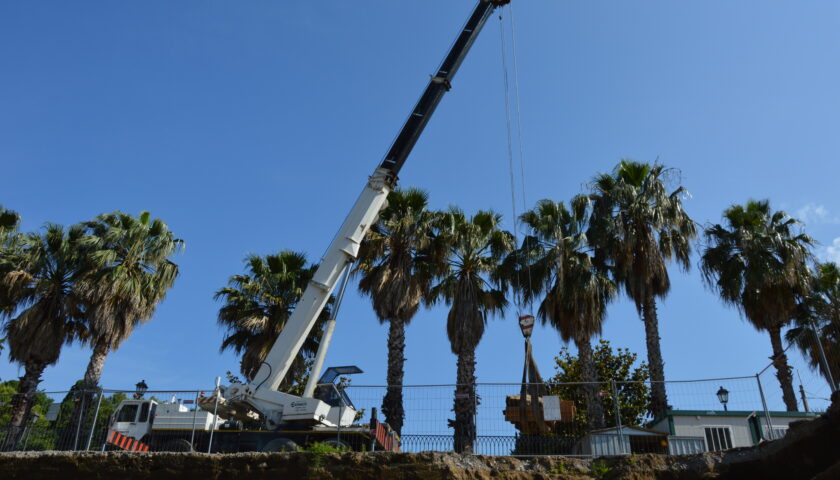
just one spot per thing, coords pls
(323, 411)
(260, 397)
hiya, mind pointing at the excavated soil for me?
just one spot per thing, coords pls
(810, 450)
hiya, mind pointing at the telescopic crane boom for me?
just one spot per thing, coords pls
(261, 396)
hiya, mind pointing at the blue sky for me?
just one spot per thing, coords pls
(250, 127)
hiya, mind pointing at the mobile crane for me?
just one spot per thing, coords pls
(318, 408)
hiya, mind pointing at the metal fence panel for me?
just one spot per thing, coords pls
(79, 420)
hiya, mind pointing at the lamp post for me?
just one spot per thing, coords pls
(526, 324)
(723, 397)
(140, 389)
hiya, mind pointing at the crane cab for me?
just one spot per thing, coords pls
(134, 418)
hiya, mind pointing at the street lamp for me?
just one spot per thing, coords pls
(140, 389)
(526, 324)
(723, 397)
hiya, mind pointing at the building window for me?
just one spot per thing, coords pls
(779, 432)
(718, 438)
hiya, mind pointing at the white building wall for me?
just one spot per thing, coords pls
(695, 427)
(739, 427)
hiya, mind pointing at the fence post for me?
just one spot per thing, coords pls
(474, 439)
(823, 360)
(766, 411)
(195, 414)
(81, 419)
(95, 416)
(340, 413)
(617, 407)
(216, 393)
(374, 428)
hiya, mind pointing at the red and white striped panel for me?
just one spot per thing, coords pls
(126, 443)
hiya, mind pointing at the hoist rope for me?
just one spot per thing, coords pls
(519, 127)
(509, 123)
(518, 106)
(517, 296)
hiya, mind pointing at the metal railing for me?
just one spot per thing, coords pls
(81, 420)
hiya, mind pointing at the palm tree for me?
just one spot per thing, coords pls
(395, 262)
(257, 305)
(48, 308)
(635, 229)
(758, 263)
(9, 223)
(133, 274)
(818, 318)
(9, 245)
(475, 246)
(576, 294)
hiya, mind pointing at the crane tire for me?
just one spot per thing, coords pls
(178, 445)
(338, 444)
(280, 445)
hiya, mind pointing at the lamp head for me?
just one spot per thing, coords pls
(526, 324)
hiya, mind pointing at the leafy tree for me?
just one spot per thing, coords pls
(558, 265)
(395, 261)
(76, 413)
(8, 389)
(49, 311)
(133, 272)
(476, 246)
(37, 440)
(299, 377)
(819, 312)
(758, 263)
(617, 365)
(256, 307)
(635, 229)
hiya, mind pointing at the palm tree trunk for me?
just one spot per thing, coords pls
(594, 408)
(392, 404)
(96, 363)
(782, 369)
(22, 402)
(658, 398)
(93, 374)
(465, 402)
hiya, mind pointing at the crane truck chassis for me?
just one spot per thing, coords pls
(143, 425)
(284, 419)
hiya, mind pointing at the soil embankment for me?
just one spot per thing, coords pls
(810, 450)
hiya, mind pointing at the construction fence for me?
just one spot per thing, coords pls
(699, 418)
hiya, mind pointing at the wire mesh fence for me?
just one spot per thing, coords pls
(77, 419)
(622, 406)
(585, 419)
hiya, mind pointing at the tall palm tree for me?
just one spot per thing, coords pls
(133, 274)
(257, 305)
(10, 242)
(637, 226)
(9, 223)
(576, 294)
(49, 310)
(396, 261)
(818, 316)
(475, 247)
(757, 262)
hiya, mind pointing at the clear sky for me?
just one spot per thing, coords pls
(251, 127)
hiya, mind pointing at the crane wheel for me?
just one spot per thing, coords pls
(280, 445)
(337, 444)
(178, 445)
